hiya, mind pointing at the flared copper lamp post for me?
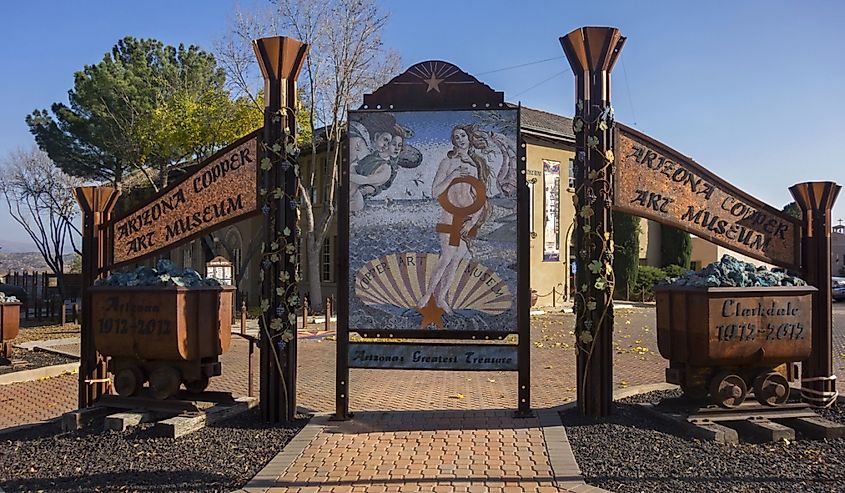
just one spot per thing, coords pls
(97, 204)
(280, 59)
(816, 199)
(592, 52)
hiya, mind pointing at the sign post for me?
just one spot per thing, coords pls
(280, 59)
(816, 199)
(592, 52)
(97, 204)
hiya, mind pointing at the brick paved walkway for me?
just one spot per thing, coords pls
(436, 431)
(423, 451)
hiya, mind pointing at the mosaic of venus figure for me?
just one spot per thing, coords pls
(464, 160)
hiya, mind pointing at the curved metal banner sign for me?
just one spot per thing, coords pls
(220, 191)
(656, 182)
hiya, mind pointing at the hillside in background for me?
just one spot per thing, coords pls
(27, 261)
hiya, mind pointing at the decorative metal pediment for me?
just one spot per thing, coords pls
(434, 84)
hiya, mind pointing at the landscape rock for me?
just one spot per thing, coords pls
(163, 275)
(732, 272)
(7, 298)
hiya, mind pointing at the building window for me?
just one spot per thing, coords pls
(551, 213)
(327, 260)
(572, 174)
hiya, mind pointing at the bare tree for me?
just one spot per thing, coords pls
(40, 198)
(345, 61)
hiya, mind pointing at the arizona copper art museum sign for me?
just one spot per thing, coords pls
(220, 191)
(656, 182)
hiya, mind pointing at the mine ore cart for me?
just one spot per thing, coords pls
(168, 336)
(724, 342)
(10, 314)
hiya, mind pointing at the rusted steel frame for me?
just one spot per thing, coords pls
(97, 204)
(816, 199)
(592, 52)
(481, 335)
(341, 397)
(523, 279)
(280, 60)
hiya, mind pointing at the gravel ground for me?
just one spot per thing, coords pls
(45, 332)
(223, 457)
(34, 359)
(629, 452)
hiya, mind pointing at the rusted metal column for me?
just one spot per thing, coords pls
(97, 204)
(592, 52)
(816, 199)
(280, 60)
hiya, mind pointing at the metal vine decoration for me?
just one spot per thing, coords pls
(597, 247)
(283, 250)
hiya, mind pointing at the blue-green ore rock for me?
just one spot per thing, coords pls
(732, 272)
(165, 274)
(7, 298)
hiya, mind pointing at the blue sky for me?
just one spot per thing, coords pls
(754, 91)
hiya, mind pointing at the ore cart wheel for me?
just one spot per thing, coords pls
(771, 389)
(197, 386)
(728, 390)
(128, 381)
(165, 382)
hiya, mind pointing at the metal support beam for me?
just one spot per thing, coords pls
(592, 52)
(97, 204)
(280, 59)
(816, 199)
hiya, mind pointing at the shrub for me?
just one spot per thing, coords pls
(673, 270)
(675, 246)
(647, 277)
(626, 258)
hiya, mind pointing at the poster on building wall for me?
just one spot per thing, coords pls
(432, 226)
(551, 217)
